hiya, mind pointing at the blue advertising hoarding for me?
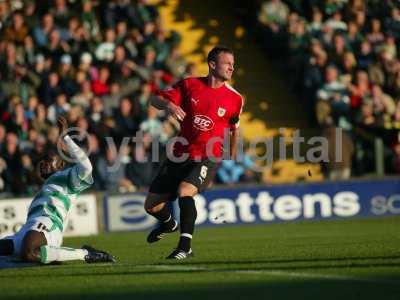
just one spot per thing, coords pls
(269, 204)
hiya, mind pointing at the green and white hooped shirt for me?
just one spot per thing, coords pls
(57, 194)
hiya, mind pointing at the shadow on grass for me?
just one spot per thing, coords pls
(174, 268)
(272, 289)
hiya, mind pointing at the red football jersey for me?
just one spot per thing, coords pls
(209, 111)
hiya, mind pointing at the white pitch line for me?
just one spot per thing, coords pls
(274, 273)
(316, 276)
(174, 267)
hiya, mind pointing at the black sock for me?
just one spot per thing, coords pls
(164, 216)
(188, 217)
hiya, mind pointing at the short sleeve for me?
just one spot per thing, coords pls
(234, 122)
(174, 93)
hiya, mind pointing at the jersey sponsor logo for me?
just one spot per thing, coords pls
(203, 123)
(221, 111)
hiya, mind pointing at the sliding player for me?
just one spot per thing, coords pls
(40, 239)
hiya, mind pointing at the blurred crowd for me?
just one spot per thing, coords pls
(99, 63)
(343, 59)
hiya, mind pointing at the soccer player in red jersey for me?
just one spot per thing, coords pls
(206, 107)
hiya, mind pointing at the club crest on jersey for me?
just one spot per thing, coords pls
(221, 111)
(203, 123)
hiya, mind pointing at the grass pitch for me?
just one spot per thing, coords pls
(357, 259)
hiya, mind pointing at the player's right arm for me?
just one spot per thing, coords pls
(170, 100)
(83, 165)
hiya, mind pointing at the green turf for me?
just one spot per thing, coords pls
(357, 259)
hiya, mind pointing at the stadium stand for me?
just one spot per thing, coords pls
(343, 61)
(99, 63)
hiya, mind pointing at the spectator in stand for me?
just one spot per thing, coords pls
(111, 101)
(3, 134)
(40, 122)
(50, 88)
(89, 21)
(366, 117)
(360, 18)
(96, 113)
(18, 31)
(316, 24)
(338, 170)
(29, 180)
(383, 104)
(335, 23)
(273, 14)
(152, 124)
(67, 75)
(392, 23)
(375, 36)
(143, 100)
(273, 17)
(339, 49)
(354, 37)
(105, 51)
(141, 170)
(229, 172)
(354, 7)
(100, 86)
(236, 171)
(334, 93)
(365, 58)
(360, 89)
(112, 173)
(395, 161)
(33, 103)
(395, 120)
(348, 68)
(12, 157)
(175, 63)
(60, 107)
(19, 123)
(84, 96)
(42, 31)
(389, 47)
(126, 120)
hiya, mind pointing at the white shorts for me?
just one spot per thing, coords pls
(40, 224)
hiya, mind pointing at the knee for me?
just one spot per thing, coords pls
(187, 190)
(150, 208)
